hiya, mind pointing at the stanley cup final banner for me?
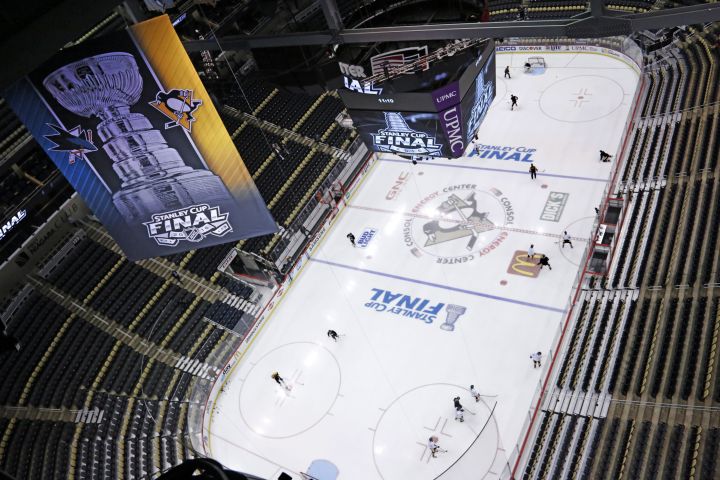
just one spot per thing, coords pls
(127, 120)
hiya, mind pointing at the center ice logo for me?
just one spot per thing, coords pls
(458, 223)
(414, 307)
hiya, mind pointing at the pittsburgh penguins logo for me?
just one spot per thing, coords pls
(458, 223)
(470, 221)
(178, 106)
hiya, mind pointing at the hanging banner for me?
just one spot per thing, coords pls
(128, 121)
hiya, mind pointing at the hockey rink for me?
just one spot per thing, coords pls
(426, 306)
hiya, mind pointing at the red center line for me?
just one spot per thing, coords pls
(453, 220)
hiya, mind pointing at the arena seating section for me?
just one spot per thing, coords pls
(508, 10)
(647, 333)
(68, 362)
(83, 328)
(289, 180)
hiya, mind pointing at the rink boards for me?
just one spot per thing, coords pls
(427, 308)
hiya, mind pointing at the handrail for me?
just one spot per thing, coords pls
(680, 111)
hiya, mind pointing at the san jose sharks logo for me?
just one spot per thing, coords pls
(458, 223)
(178, 106)
(76, 142)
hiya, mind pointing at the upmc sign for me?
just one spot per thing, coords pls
(451, 122)
(447, 103)
(446, 96)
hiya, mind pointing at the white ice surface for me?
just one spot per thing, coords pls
(369, 402)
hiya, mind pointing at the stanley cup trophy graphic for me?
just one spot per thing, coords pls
(484, 95)
(396, 123)
(453, 312)
(154, 177)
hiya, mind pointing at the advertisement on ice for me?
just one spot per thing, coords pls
(424, 309)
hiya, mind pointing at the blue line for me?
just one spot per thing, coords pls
(437, 285)
(555, 175)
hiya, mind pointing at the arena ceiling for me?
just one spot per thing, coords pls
(597, 22)
(35, 29)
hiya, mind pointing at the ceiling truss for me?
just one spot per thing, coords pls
(595, 23)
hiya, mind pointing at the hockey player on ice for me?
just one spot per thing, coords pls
(544, 262)
(474, 393)
(433, 446)
(476, 145)
(536, 358)
(280, 380)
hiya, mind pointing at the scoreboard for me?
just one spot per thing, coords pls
(402, 116)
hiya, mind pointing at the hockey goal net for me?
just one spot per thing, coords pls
(536, 62)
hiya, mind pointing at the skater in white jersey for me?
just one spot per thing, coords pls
(433, 446)
(536, 358)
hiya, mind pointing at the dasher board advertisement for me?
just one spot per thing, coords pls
(128, 121)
